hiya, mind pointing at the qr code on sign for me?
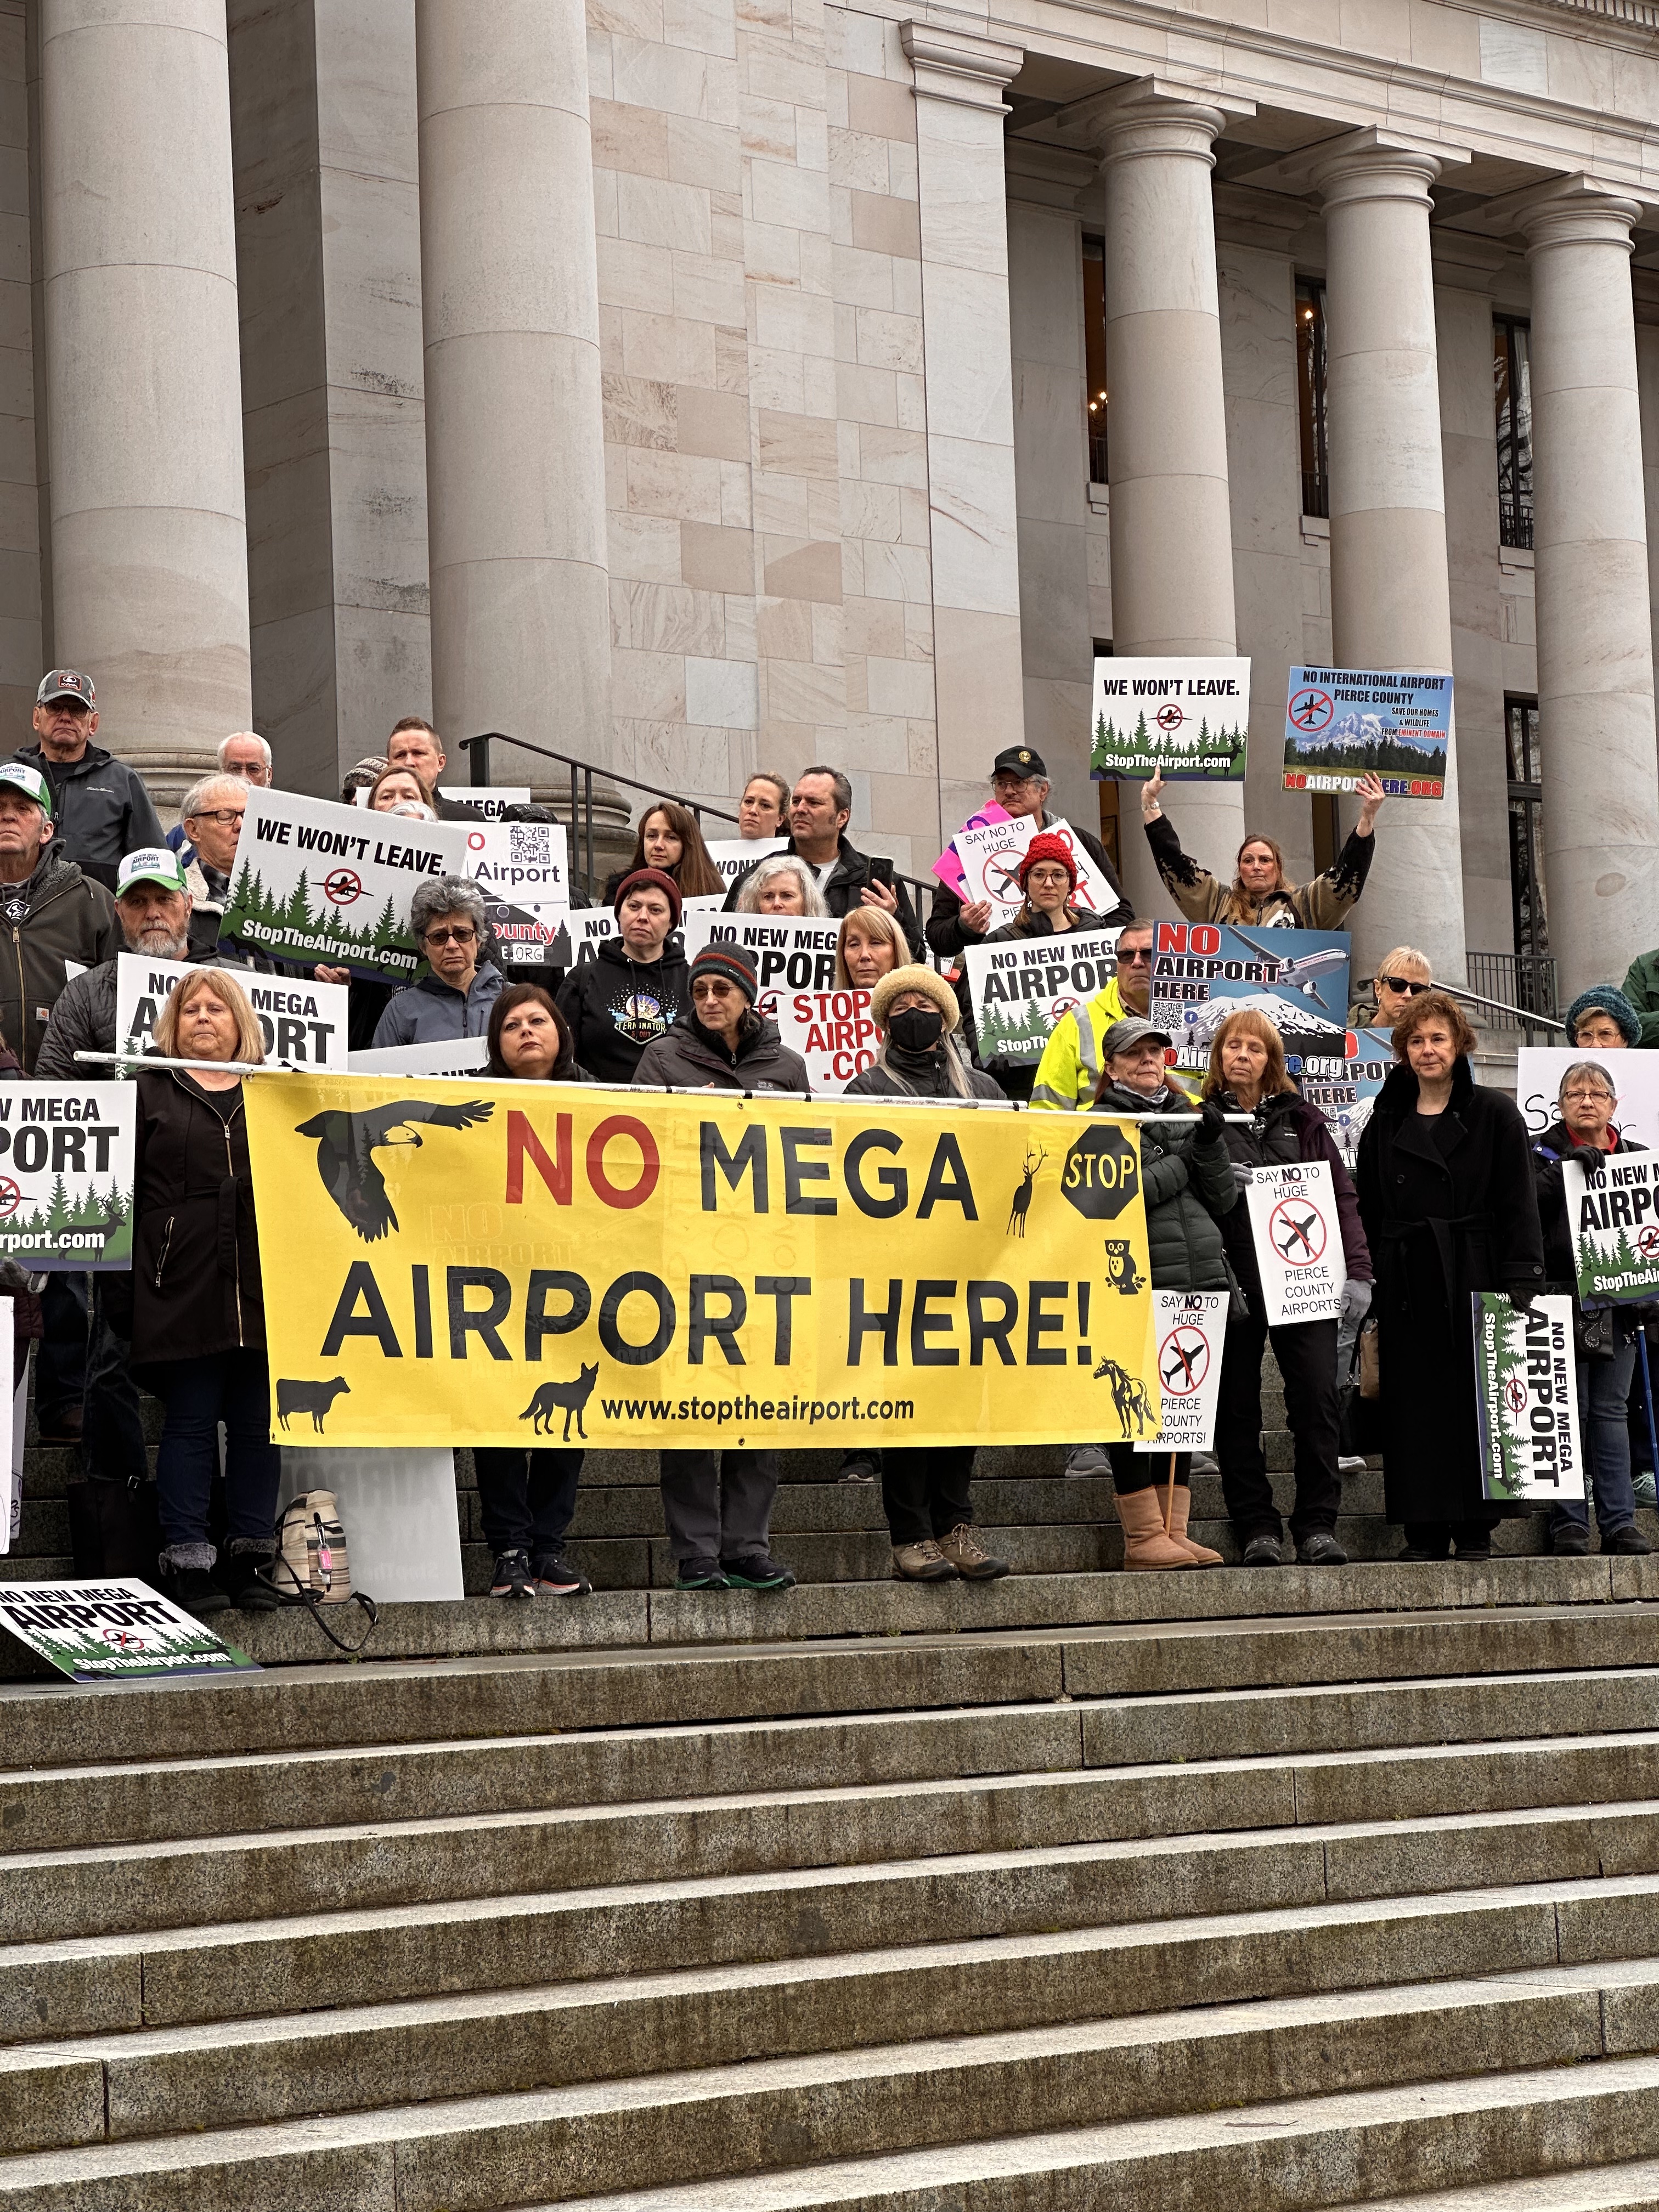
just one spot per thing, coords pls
(532, 844)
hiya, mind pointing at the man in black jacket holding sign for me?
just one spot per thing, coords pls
(820, 807)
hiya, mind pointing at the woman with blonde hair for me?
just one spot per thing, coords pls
(781, 884)
(670, 840)
(871, 944)
(1402, 975)
(1248, 1077)
(1260, 894)
(199, 1325)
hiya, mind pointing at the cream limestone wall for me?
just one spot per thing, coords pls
(20, 525)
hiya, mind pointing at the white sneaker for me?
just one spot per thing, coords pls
(1087, 1460)
(1349, 1465)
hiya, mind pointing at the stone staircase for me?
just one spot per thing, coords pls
(1091, 1891)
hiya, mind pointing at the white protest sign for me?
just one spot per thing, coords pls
(1527, 1389)
(451, 1056)
(66, 1170)
(489, 799)
(1021, 988)
(314, 881)
(11, 1465)
(1613, 1218)
(1191, 1327)
(990, 857)
(791, 952)
(110, 1630)
(1093, 894)
(834, 1032)
(735, 856)
(303, 1024)
(1298, 1242)
(524, 863)
(399, 1509)
(704, 902)
(1189, 718)
(1633, 1078)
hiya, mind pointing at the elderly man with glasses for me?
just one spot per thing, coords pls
(454, 999)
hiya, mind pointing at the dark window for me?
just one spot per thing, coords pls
(1094, 346)
(1532, 940)
(1310, 394)
(1512, 374)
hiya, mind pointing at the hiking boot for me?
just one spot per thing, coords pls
(921, 1563)
(193, 1589)
(1628, 1543)
(512, 1577)
(759, 1571)
(700, 1574)
(1264, 1551)
(1180, 1506)
(1145, 1541)
(1087, 1460)
(969, 1557)
(1321, 1550)
(553, 1577)
(1570, 1543)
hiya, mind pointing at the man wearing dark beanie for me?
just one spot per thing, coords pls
(635, 987)
(720, 1041)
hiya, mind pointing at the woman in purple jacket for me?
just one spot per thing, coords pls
(1248, 1076)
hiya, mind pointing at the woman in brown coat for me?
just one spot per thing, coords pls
(199, 1320)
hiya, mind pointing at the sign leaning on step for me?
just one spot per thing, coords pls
(66, 1171)
(1020, 989)
(1612, 1210)
(1298, 1242)
(303, 1023)
(111, 1631)
(1526, 1392)
(1192, 1326)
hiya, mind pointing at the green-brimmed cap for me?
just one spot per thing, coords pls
(150, 864)
(30, 781)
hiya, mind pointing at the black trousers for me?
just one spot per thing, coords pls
(528, 1498)
(1306, 1352)
(924, 1493)
(1439, 1536)
(1133, 1470)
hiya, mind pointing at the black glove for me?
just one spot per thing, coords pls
(1522, 1300)
(1210, 1122)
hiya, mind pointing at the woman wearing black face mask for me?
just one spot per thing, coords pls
(924, 1494)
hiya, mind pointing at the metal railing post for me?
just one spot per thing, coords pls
(479, 752)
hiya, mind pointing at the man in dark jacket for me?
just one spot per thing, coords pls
(820, 807)
(1019, 785)
(638, 985)
(720, 1042)
(100, 806)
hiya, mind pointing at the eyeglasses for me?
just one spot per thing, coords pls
(1137, 959)
(224, 816)
(1399, 983)
(1579, 1098)
(463, 935)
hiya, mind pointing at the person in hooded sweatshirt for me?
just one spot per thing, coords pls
(637, 986)
(446, 920)
(926, 1493)
(720, 1041)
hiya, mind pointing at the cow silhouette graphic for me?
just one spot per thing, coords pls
(316, 1399)
(570, 1397)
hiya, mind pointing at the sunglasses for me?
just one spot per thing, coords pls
(1399, 983)
(465, 935)
(1143, 959)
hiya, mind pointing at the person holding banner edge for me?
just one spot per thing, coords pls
(1259, 896)
(1604, 1336)
(1188, 1187)
(1448, 1202)
(1248, 1077)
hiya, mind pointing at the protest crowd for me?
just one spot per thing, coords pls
(1447, 1193)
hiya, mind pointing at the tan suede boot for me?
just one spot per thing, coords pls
(1200, 1554)
(1145, 1544)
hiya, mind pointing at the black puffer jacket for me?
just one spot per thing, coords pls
(1286, 1130)
(195, 1283)
(1188, 1186)
(690, 1058)
(920, 1075)
(615, 1006)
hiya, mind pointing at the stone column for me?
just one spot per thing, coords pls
(1590, 547)
(148, 541)
(515, 431)
(1166, 426)
(1390, 591)
(978, 677)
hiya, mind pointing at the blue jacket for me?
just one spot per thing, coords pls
(432, 1011)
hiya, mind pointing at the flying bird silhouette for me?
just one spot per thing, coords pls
(346, 1143)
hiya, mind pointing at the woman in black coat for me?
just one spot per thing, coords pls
(1446, 1194)
(198, 1316)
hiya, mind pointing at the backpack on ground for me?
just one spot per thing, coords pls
(313, 1565)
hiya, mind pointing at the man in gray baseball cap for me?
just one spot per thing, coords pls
(101, 808)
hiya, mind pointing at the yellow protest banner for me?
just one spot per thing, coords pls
(448, 1261)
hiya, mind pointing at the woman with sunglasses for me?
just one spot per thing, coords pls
(447, 921)
(1402, 975)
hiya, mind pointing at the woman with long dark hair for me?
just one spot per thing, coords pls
(670, 840)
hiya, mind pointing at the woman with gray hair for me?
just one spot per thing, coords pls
(454, 999)
(1605, 1336)
(781, 884)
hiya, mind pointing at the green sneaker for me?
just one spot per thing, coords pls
(700, 1574)
(759, 1571)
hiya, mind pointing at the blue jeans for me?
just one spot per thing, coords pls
(234, 1388)
(1604, 1391)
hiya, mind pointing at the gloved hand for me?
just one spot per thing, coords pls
(1210, 1122)
(1242, 1174)
(1522, 1300)
(1356, 1299)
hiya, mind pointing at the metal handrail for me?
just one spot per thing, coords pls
(1524, 1014)
(477, 750)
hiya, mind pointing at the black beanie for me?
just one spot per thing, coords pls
(735, 962)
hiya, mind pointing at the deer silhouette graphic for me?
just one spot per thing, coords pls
(1021, 1203)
